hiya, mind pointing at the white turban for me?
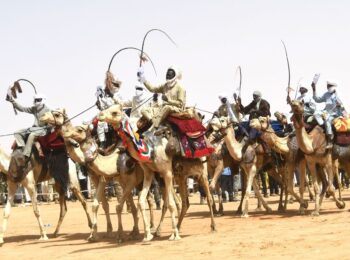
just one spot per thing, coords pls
(257, 93)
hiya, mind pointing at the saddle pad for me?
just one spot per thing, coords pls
(342, 138)
(341, 124)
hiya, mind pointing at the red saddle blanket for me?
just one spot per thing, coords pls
(191, 134)
(342, 138)
(52, 141)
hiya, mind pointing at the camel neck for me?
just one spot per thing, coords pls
(303, 139)
(233, 146)
(4, 161)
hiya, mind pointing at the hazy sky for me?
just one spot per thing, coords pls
(64, 48)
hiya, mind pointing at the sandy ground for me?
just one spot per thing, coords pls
(261, 235)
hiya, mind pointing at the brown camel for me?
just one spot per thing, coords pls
(161, 162)
(101, 168)
(288, 149)
(247, 159)
(313, 145)
(29, 183)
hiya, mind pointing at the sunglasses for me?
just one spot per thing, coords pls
(38, 100)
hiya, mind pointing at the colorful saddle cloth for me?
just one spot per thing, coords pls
(341, 124)
(143, 149)
(191, 135)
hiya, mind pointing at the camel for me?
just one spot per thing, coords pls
(246, 158)
(161, 162)
(101, 168)
(313, 146)
(29, 182)
(288, 148)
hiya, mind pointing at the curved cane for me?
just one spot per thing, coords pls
(144, 40)
(285, 50)
(131, 48)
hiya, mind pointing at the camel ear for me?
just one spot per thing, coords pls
(64, 111)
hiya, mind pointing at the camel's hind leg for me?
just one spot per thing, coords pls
(30, 186)
(164, 210)
(330, 188)
(7, 210)
(63, 207)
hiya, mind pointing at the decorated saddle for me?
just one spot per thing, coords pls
(143, 149)
(342, 131)
(191, 134)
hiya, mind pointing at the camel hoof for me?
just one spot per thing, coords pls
(305, 204)
(92, 238)
(340, 205)
(281, 209)
(302, 211)
(174, 237)
(157, 233)
(55, 234)
(219, 214)
(268, 210)
(258, 209)
(147, 238)
(245, 215)
(315, 213)
(43, 238)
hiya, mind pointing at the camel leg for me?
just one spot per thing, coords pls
(33, 195)
(7, 210)
(290, 187)
(99, 194)
(105, 206)
(63, 207)
(312, 168)
(151, 202)
(243, 188)
(330, 188)
(221, 206)
(75, 188)
(250, 171)
(164, 210)
(168, 180)
(336, 175)
(182, 182)
(135, 233)
(205, 184)
(82, 200)
(147, 181)
(260, 197)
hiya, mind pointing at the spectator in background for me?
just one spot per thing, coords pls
(226, 182)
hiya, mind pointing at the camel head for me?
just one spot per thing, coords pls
(262, 123)
(55, 117)
(112, 115)
(219, 124)
(297, 107)
(77, 133)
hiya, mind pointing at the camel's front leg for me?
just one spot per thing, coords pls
(99, 194)
(250, 171)
(11, 187)
(205, 184)
(312, 168)
(260, 197)
(33, 195)
(168, 180)
(151, 202)
(147, 181)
